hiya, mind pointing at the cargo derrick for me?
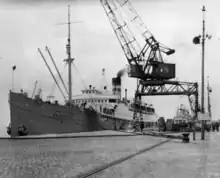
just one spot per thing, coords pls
(146, 61)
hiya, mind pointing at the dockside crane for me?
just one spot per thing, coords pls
(144, 59)
(145, 56)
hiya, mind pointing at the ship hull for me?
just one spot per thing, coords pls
(44, 118)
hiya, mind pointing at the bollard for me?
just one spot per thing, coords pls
(185, 137)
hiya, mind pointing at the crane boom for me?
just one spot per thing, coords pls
(51, 57)
(121, 30)
(143, 59)
(34, 90)
(135, 18)
(51, 73)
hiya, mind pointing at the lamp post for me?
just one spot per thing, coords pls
(196, 40)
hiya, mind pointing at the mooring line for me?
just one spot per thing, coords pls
(120, 160)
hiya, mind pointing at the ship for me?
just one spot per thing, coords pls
(182, 115)
(92, 110)
(181, 120)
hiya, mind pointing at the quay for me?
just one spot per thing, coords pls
(115, 156)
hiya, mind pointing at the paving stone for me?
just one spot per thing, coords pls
(65, 157)
(172, 160)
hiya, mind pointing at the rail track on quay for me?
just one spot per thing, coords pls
(120, 160)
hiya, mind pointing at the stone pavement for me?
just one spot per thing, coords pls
(63, 158)
(69, 157)
(173, 160)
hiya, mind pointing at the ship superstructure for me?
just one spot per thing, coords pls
(182, 115)
(111, 103)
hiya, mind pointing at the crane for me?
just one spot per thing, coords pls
(35, 87)
(143, 60)
(145, 57)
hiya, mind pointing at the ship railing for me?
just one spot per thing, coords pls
(141, 110)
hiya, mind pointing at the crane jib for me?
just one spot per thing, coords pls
(140, 57)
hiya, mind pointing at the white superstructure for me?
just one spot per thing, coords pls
(106, 102)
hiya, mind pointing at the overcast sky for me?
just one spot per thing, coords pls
(27, 25)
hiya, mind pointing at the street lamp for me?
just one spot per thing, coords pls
(200, 39)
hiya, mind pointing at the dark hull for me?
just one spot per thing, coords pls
(44, 118)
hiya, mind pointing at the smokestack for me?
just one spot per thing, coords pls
(116, 86)
(125, 94)
(122, 72)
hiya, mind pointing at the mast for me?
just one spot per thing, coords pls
(203, 71)
(69, 59)
(203, 60)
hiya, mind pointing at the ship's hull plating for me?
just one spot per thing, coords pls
(43, 118)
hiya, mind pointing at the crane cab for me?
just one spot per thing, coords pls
(159, 71)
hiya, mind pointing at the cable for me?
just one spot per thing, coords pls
(54, 83)
(79, 75)
(51, 73)
(51, 57)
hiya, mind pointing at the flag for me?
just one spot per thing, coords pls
(14, 67)
(196, 39)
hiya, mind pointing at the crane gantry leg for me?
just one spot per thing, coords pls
(168, 87)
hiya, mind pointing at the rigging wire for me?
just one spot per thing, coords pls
(51, 73)
(54, 83)
(79, 76)
(51, 57)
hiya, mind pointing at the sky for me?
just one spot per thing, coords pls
(27, 25)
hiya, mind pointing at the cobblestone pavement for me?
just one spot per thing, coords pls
(200, 159)
(65, 157)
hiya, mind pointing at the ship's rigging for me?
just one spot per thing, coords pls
(68, 61)
(52, 73)
(51, 57)
(51, 95)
